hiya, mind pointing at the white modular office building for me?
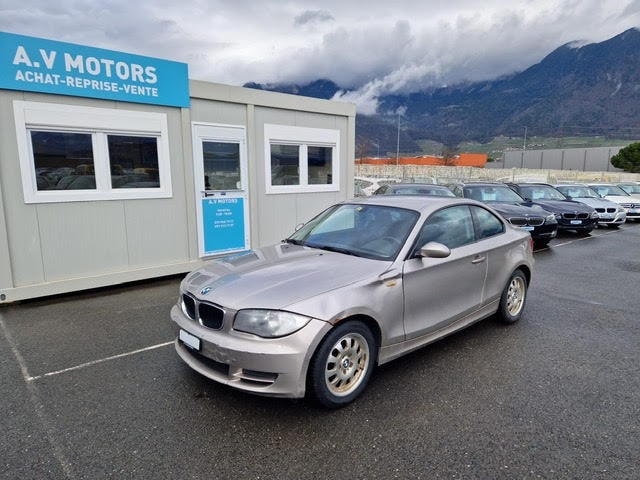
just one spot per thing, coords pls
(117, 168)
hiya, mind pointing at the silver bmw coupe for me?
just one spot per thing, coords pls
(359, 285)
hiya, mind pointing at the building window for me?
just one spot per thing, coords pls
(285, 164)
(301, 159)
(69, 153)
(221, 161)
(63, 161)
(133, 161)
(320, 165)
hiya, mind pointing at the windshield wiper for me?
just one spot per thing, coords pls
(293, 241)
(332, 248)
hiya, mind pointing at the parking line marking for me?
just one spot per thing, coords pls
(95, 362)
(579, 239)
(39, 407)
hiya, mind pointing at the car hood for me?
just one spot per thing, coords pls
(597, 202)
(563, 206)
(515, 208)
(277, 276)
(623, 200)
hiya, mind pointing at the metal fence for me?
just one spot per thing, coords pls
(594, 159)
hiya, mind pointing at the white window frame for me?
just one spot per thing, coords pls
(303, 137)
(99, 123)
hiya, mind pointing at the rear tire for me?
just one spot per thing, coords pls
(513, 298)
(342, 365)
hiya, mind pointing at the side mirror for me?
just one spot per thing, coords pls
(434, 250)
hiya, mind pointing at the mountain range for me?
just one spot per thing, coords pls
(588, 90)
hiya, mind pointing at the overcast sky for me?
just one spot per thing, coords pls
(371, 46)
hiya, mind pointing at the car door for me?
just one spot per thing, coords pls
(439, 291)
(491, 240)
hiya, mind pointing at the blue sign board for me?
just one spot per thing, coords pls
(39, 65)
(223, 227)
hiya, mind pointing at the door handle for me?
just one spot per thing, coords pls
(478, 259)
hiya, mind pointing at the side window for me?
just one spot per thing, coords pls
(452, 226)
(473, 193)
(487, 224)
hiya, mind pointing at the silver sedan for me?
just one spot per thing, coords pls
(361, 284)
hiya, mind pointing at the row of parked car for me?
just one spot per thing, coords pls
(541, 208)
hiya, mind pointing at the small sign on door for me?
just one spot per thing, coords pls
(224, 228)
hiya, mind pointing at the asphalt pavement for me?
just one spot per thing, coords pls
(93, 389)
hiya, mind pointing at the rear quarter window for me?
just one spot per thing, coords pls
(487, 224)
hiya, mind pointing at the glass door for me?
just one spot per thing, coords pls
(222, 202)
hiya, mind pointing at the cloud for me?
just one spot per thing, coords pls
(312, 17)
(368, 49)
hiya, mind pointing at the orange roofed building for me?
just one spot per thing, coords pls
(478, 160)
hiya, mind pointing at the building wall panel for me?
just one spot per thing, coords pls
(156, 232)
(81, 238)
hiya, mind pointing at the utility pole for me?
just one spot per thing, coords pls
(524, 146)
(398, 143)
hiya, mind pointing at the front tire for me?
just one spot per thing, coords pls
(513, 298)
(342, 365)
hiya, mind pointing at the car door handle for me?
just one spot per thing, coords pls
(478, 259)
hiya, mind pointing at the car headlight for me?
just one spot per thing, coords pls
(269, 323)
(594, 214)
(551, 219)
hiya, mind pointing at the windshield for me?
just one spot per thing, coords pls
(630, 188)
(492, 193)
(577, 191)
(541, 192)
(371, 231)
(606, 190)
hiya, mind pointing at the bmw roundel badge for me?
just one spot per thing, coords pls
(205, 290)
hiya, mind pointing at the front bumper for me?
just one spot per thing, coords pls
(633, 211)
(572, 224)
(547, 231)
(275, 367)
(612, 219)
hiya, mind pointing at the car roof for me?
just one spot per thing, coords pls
(417, 185)
(482, 184)
(420, 203)
(478, 182)
(576, 184)
(532, 183)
